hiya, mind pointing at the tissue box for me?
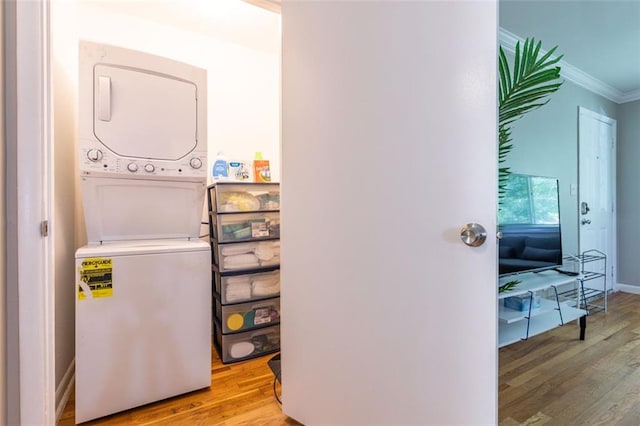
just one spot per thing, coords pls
(521, 303)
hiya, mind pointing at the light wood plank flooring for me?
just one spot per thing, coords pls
(241, 394)
(551, 379)
(555, 379)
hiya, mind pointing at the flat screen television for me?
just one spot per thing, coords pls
(529, 220)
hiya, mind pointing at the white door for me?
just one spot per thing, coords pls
(597, 189)
(388, 149)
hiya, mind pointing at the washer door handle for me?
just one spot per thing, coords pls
(473, 234)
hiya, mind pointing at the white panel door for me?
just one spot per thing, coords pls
(596, 189)
(388, 148)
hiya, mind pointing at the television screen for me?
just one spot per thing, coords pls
(529, 220)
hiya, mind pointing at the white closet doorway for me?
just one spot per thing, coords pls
(597, 189)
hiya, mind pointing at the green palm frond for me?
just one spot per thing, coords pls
(533, 79)
(508, 286)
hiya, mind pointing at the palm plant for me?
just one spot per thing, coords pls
(527, 89)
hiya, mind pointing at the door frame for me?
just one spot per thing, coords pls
(32, 271)
(30, 293)
(612, 256)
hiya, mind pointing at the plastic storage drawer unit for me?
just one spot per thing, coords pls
(244, 232)
(250, 344)
(248, 316)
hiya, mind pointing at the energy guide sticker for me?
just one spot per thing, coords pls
(96, 275)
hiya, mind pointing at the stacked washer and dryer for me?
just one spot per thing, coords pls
(143, 281)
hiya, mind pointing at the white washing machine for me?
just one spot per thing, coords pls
(143, 282)
(146, 335)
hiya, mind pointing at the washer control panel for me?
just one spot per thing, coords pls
(98, 159)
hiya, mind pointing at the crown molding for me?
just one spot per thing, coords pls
(631, 96)
(508, 42)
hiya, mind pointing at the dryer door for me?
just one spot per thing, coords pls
(143, 114)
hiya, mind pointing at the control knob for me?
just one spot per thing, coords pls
(94, 155)
(132, 167)
(150, 168)
(195, 162)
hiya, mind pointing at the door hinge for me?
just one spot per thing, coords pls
(44, 228)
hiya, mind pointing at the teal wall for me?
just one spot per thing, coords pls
(628, 182)
(546, 144)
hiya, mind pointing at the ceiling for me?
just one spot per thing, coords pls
(231, 20)
(600, 38)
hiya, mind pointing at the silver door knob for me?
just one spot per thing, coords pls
(473, 234)
(585, 221)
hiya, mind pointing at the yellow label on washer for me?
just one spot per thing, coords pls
(96, 274)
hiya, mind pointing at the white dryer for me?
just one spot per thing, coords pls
(143, 299)
(143, 144)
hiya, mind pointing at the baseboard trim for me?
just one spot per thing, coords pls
(64, 389)
(628, 288)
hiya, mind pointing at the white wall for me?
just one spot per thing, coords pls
(628, 200)
(3, 240)
(243, 79)
(243, 106)
(545, 143)
(63, 223)
(10, 202)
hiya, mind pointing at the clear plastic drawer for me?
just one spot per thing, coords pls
(246, 226)
(248, 316)
(246, 256)
(244, 197)
(242, 288)
(250, 344)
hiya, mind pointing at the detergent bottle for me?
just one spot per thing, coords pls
(220, 169)
(261, 170)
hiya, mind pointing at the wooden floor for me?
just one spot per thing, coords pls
(555, 379)
(241, 394)
(552, 379)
